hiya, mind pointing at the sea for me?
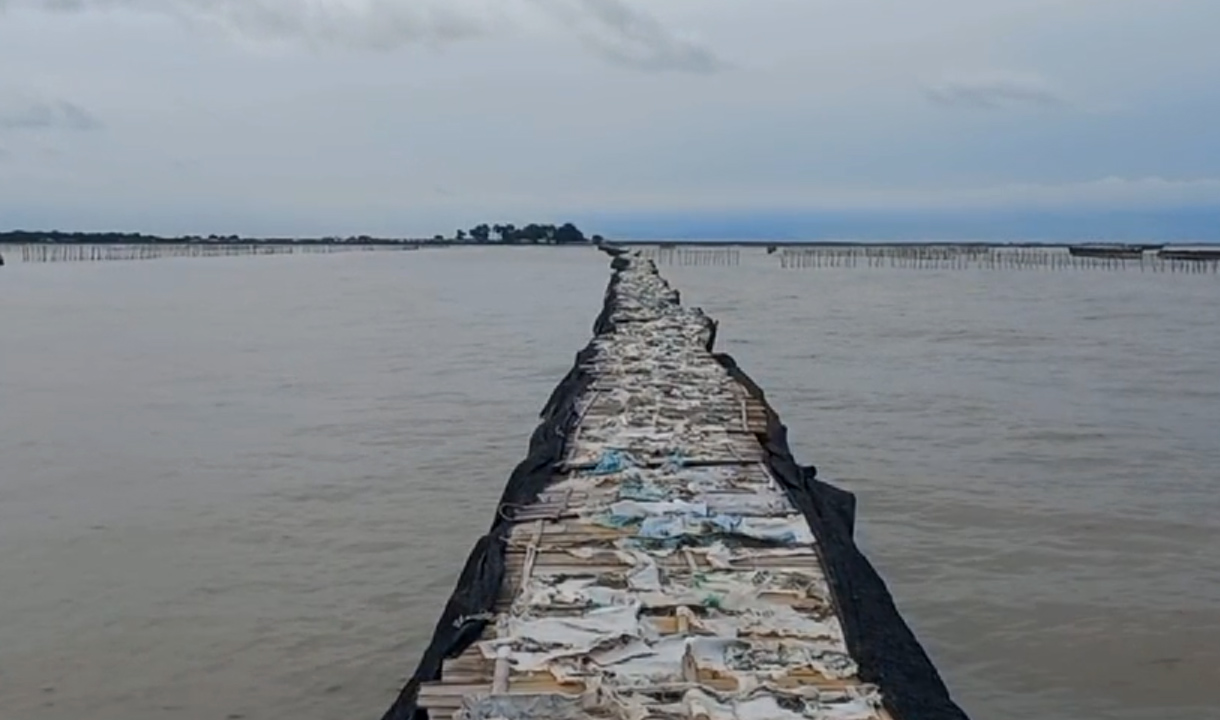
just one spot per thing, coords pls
(243, 487)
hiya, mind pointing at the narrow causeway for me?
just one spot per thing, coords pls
(660, 554)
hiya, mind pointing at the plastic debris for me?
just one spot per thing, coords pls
(612, 461)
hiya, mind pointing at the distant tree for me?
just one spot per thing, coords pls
(569, 234)
(537, 233)
(481, 233)
(532, 233)
(439, 238)
(508, 233)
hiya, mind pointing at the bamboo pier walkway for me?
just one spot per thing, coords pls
(659, 568)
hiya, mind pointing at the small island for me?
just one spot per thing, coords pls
(482, 234)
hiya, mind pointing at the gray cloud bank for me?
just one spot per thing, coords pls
(21, 111)
(994, 93)
(620, 31)
(629, 36)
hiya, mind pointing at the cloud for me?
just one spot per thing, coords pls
(372, 24)
(994, 92)
(629, 36)
(619, 31)
(21, 110)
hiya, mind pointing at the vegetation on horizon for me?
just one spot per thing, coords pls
(506, 234)
(532, 234)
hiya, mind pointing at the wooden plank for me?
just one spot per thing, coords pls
(544, 683)
(558, 562)
(442, 690)
(471, 674)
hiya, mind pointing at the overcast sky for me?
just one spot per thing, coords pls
(417, 116)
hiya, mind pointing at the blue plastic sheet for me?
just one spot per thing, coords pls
(612, 461)
(636, 488)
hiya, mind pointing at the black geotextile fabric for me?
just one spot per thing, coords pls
(884, 647)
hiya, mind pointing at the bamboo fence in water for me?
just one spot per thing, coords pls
(84, 252)
(946, 257)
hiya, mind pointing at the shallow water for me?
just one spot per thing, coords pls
(243, 487)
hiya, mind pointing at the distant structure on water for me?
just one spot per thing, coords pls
(946, 256)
